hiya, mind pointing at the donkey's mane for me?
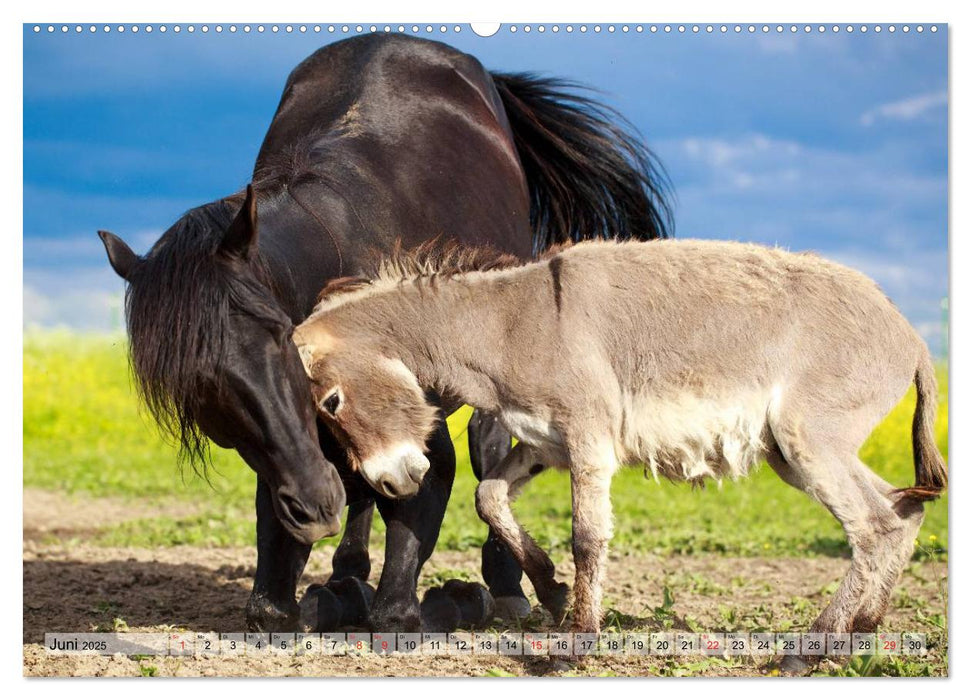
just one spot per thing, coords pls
(432, 260)
(442, 259)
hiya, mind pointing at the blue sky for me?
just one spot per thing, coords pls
(831, 142)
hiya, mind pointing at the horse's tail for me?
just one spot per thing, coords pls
(588, 175)
(929, 466)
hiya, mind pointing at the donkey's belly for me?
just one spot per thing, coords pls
(690, 438)
(534, 429)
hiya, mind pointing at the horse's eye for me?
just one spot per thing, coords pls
(332, 402)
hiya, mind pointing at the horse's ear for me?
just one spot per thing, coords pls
(240, 237)
(122, 258)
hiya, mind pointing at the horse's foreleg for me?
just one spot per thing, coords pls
(346, 597)
(351, 557)
(489, 443)
(280, 560)
(412, 531)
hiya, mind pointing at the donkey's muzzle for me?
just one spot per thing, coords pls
(397, 473)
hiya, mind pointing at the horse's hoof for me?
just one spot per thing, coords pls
(398, 616)
(476, 606)
(320, 610)
(439, 613)
(262, 615)
(795, 665)
(355, 598)
(512, 608)
(557, 601)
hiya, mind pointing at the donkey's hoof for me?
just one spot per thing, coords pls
(512, 608)
(561, 665)
(355, 598)
(795, 665)
(476, 606)
(439, 612)
(557, 601)
(320, 610)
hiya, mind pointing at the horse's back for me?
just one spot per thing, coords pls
(374, 86)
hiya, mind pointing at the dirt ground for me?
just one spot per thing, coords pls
(76, 587)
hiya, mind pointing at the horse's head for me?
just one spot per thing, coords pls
(374, 406)
(212, 354)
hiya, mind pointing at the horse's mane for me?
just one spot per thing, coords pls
(180, 296)
(432, 260)
(178, 303)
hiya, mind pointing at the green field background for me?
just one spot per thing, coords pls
(84, 433)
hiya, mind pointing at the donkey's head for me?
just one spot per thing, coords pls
(374, 406)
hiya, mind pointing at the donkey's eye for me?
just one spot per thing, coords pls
(332, 402)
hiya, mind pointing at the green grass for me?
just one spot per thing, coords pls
(84, 432)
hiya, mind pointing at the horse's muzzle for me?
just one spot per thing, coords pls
(305, 523)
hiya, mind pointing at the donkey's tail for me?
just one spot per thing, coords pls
(588, 175)
(929, 466)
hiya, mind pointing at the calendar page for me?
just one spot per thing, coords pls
(747, 479)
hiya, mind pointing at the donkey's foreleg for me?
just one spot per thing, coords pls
(280, 560)
(493, 499)
(412, 531)
(592, 530)
(489, 443)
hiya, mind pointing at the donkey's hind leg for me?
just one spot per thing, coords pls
(898, 548)
(493, 501)
(841, 486)
(837, 479)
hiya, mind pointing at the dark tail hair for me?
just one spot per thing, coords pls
(929, 466)
(588, 175)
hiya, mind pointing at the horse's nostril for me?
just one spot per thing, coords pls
(296, 512)
(389, 488)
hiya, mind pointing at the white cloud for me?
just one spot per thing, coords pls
(82, 309)
(779, 167)
(870, 209)
(907, 109)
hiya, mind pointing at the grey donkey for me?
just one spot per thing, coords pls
(696, 358)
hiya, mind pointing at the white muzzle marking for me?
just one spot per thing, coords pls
(397, 473)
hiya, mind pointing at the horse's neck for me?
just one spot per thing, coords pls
(300, 250)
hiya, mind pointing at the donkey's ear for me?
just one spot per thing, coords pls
(123, 260)
(240, 237)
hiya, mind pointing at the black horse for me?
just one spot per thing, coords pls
(377, 139)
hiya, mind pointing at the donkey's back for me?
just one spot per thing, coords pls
(725, 353)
